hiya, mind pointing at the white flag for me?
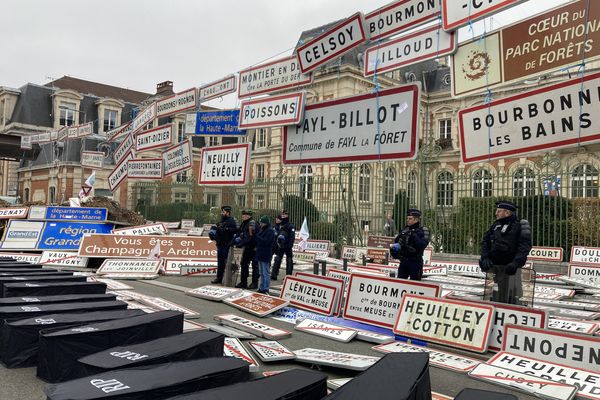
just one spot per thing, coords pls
(155, 252)
(304, 235)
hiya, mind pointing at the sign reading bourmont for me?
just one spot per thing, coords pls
(177, 158)
(400, 16)
(123, 246)
(377, 126)
(266, 78)
(225, 165)
(279, 110)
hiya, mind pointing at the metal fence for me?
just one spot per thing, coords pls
(561, 202)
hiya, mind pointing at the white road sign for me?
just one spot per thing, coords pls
(177, 158)
(27, 257)
(309, 295)
(119, 174)
(272, 350)
(217, 89)
(151, 229)
(335, 359)
(234, 348)
(63, 259)
(323, 329)
(400, 16)
(126, 146)
(161, 304)
(573, 325)
(113, 267)
(173, 267)
(377, 126)
(177, 103)
(585, 255)
(339, 284)
(143, 118)
(286, 109)
(457, 13)
(145, 168)
(119, 131)
(13, 212)
(254, 327)
(155, 138)
(590, 273)
(274, 76)
(214, 293)
(545, 254)
(460, 268)
(93, 159)
(85, 129)
(225, 165)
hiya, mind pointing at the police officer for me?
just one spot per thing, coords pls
(223, 236)
(285, 241)
(409, 246)
(247, 241)
(504, 250)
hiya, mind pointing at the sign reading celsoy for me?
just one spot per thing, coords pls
(378, 126)
(225, 165)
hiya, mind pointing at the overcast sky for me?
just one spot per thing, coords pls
(138, 43)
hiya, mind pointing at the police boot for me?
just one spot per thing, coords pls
(242, 285)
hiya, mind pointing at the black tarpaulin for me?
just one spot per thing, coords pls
(68, 298)
(396, 376)
(294, 384)
(476, 394)
(153, 382)
(187, 346)
(19, 339)
(49, 289)
(60, 350)
(34, 310)
(40, 278)
(29, 271)
(20, 264)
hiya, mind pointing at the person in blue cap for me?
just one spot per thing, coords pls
(504, 251)
(409, 246)
(223, 235)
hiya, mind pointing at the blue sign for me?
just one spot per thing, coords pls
(218, 123)
(76, 213)
(67, 235)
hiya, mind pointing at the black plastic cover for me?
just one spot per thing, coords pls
(49, 289)
(28, 271)
(40, 278)
(477, 394)
(68, 298)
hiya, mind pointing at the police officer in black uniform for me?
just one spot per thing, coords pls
(223, 234)
(285, 242)
(504, 251)
(409, 246)
(247, 241)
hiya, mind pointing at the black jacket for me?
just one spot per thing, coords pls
(507, 241)
(248, 230)
(226, 230)
(413, 241)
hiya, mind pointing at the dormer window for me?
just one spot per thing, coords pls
(110, 119)
(67, 113)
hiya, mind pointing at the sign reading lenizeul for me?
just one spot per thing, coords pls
(400, 16)
(271, 77)
(272, 111)
(556, 116)
(333, 43)
(462, 12)
(224, 165)
(217, 89)
(378, 126)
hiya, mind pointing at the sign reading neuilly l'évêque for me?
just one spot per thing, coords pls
(376, 300)
(555, 116)
(177, 158)
(217, 89)
(176, 103)
(276, 75)
(400, 16)
(145, 168)
(118, 246)
(377, 126)
(114, 267)
(225, 165)
(309, 295)
(585, 255)
(453, 323)
(151, 229)
(155, 138)
(286, 109)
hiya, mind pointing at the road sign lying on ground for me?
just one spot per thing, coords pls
(335, 359)
(269, 351)
(234, 348)
(254, 327)
(323, 329)
(215, 293)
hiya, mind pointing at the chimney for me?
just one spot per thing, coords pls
(164, 88)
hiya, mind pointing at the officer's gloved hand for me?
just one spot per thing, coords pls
(485, 264)
(281, 241)
(511, 269)
(237, 241)
(395, 250)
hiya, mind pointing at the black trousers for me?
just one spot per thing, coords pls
(289, 262)
(249, 256)
(410, 269)
(222, 252)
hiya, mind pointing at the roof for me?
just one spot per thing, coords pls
(99, 89)
(33, 106)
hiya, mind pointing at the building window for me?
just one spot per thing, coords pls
(110, 120)
(26, 195)
(482, 183)
(524, 182)
(52, 195)
(180, 132)
(259, 173)
(445, 128)
(180, 197)
(261, 138)
(259, 201)
(67, 113)
(306, 182)
(445, 189)
(241, 200)
(411, 188)
(364, 183)
(214, 141)
(389, 185)
(212, 199)
(181, 177)
(584, 181)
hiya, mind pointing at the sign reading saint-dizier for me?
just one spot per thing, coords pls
(378, 126)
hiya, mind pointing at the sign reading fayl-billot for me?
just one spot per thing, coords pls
(377, 126)
(225, 165)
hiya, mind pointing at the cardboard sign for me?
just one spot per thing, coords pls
(234, 348)
(13, 212)
(155, 138)
(92, 159)
(152, 229)
(527, 49)
(269, 351)
(376, 126)
(119, 132)
(538, 387)
(537, 120)
(214, 293)
(177, 158)
(331, 44)
(323, 329)
(417, 47)
(254, 327)
(454, 323)
(143, 118)
(225, 165)
(400, 16)
(129, 266)
(146, 168)
(335, 359)
(339, 284)
(462, 13)
(123, 246)
(573, 325)
(176, 103)
(119, 174)
(309, 295)
(257, 304)
(460, 268)
(271, 77)
(62, 259)
(590, 273)
(126, 146)
(587, 382)
(437, 358)
(217, 89)
(279, 110)
(545, 254)
(577, 351)
(376, 300)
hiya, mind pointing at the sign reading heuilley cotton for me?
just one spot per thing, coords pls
(309, 295)
(400, 16)
(14, 212)
(333, 43)
(377, 126)
(225, 165)
(376, 300)
(547, 42)
(585, 255)
(177, 158)
(151, 229)
(271, 77)
(555, 116)
(269, 111)
(462, 12)
(114, 267)
(330, 331)
(145, 168)
(143, 118)
(441, 359)
(453, 323)
(119, 174)
(177, 103)
(256, 303)
(255, 327)
(93, 159)
(217, 89)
